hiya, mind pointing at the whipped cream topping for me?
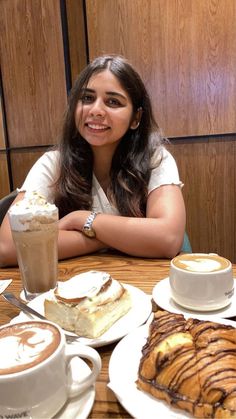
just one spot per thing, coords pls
(31, 212)
(24, 347)
(87, 284)
(89, 290)
(201, 265)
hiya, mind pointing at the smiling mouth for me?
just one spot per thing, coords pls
(97, 128)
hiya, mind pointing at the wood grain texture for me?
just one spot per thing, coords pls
(185, 51)
(32, 65)
(2, 133)
(76, 35)
(21, 163)
(142, 273)
(207, 169)
(4, 179)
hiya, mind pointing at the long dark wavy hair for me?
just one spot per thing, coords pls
(130, 168)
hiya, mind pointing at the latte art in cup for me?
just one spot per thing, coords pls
(36, 377)
(201, 262)
(201, 281)
(25, 345)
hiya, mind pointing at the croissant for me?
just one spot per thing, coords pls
(191, 364)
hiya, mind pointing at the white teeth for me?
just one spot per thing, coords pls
(93, 126)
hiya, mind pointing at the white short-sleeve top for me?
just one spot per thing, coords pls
(44, 173)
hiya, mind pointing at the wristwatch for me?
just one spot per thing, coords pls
(87, 229)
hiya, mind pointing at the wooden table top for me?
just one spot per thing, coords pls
(141, 273)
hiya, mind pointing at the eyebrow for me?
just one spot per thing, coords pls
(84, 90)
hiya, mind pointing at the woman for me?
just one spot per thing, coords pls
(115, 184)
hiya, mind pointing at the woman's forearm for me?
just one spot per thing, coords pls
(159, 234)
(143, 237)
(74, 243)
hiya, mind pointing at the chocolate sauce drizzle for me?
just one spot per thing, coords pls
(197, 374)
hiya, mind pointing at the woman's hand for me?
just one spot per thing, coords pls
(75, 220)
(159, 234)
(71, 241)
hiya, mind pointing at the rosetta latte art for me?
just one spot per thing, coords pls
(200, 265)
(201, 262)
(23, 346)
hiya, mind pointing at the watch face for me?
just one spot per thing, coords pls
(89, 232)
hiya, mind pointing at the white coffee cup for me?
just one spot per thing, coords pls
(201, 281)
(39, 382)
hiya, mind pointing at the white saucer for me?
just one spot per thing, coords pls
(79, 407)
(161, 294)
(4, 283)
(136, 316)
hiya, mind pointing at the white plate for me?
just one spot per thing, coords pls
(161, 294)
(4, 284)
(136, 316)
(123, 372)
(79, 407)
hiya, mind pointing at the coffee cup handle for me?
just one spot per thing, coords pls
(82, 351)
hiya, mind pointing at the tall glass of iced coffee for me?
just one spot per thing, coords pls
(34, 226)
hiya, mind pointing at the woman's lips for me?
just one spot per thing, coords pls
(96, 127)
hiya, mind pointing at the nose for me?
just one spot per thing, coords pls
(97, 108)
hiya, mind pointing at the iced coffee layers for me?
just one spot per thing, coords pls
(34, 229)
(88, 304)
(31, 213)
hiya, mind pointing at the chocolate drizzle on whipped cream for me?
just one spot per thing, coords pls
(191, 364)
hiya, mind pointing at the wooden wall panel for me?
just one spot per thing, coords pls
(2, 134)
(21, 163)
(185, 51)
(4, 180)
(32, 65)
(76, 35)
(207, 168)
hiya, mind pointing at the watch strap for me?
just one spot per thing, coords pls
(88, 225)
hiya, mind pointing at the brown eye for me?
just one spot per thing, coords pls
(87, 98)
(113, 102)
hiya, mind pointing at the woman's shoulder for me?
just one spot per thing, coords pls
(160, 155)
(164, 170)
(51, 156)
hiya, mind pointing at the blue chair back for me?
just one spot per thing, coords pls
(186, 246)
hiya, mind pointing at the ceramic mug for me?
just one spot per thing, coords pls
(201, 281)
(35, 370)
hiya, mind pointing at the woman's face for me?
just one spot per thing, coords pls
(104, 111)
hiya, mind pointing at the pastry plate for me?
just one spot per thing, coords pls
(123, 372)
(78, 407)
(161, 294)
(137, 315)
(4, 284)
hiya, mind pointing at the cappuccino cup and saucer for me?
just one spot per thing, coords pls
(198, 283)
(36, 370)
(202, 282)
